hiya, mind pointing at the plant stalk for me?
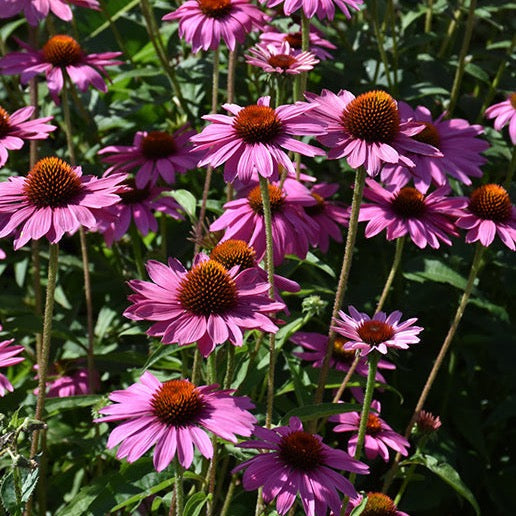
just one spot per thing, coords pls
(400, 242)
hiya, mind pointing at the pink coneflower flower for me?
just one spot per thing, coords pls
(65, 379)
(378, 504)
(489, 213)
(455, 138)
(318, 44)
(8, 358)
(504, 112)
(208, 304)
(254, 139)
(280, 59)
(54, 199)
(292, 229)
(17, 127)
(366, 130)
(426, 423)
(37, 10)
(427, 219)
(155, 154)
(320, 8)
(203, 23)
(295, 461)
(174, 416)
(60, 54)
(315, 345)
(137, 205)
(379, 435)
(380, 333)
(328, 215)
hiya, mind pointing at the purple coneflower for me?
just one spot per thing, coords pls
(382, 332)
(489, 213)
(155, 154)
(67, 378)
(16, 127)
(280, 58)
(208, 304)
(379, 435)
(504, 112)
(320, 8)
(203, 23)
(37, 10)
(60, 54)
(54, 199)
(366, 130)
(292, 229)
(256, 138)
(457, 141)
(427, 219)
(8, 358)
(174, 416)
(295, 461)
(378, 504)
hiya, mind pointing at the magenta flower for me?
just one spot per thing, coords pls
(203, 23)
(504, 112)
(315, 345)
(156, 154)
(67, 378)
(455, 138)
(377, 504)
(320, 8)
(174, 416)
(8, 358)
(60, 54)
(37, 10)
(427, 219)
(54, 199)
(208, 304)
(318, 44)
(366, 130)
(292, 229)
(489, 213)
(137, 205)
(379, 435)
(380, 333)
(17, 127)
(254, 139)
(295, 461)
(280, 59)
(327, 215)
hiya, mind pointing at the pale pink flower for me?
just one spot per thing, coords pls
(503, 113)
(8, 358)
(320, 8)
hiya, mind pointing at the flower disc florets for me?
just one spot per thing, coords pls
(379, 504)
(158, 144)
(4, 121)
(301, 450)
(276, 198)
(62, 50)
(257, 124)
(409, 203)
(234, 252)
(215, 8)
(491, 202)
(429, 134)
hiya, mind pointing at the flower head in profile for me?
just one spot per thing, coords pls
(256, 138)
(377, 504)
(292, 229)
(60, 55)
(154, 154)
(321, 9)
(207, 304)
(456, 139)
(69, 378)
(137, 205)
(427, 219)
(317, 46)
(16, 127)
(426, 423)
(367, 130)
(54, 199)
(204, 23)
(37, 10)
(280, 59)
(489, 213)
(379, 333)
(174, 416)
(293, 461)
(379, 435)
(8, 358)
(503, 113)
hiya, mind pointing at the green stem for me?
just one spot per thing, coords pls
(406, 480)
(380, 42)
(180, 501)
(212, 474)
(452, 27)
(512, 166)
(137, 249)
(392, 20)
(230, 367)
(305, 47)
(229, 496)
(428, 16)
(462, 57)
(400, 242)
(196, 368)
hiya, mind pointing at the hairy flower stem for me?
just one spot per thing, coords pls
(343, 279)
(454, 95)
(137, 250)
(452, 27)
(209, 169)
(475, 268)
(344, 383)
(180, 500)
(232, 60)
(400, 242)
(230, 367)
(380, 42)
(229, 496)
(512, 167)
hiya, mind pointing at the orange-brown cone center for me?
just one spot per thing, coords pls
(277, 199)
(374, 424)
(294, 39)
(283, 61)
(134, 195)
(4, 122)
(316, 209)
(62, 50)
(215, 8)
(257, 124)
(341, 354)
(301, 450)
(409, 203)
(234, 252)
(379, 504)
(375, 332)
(491, 202)
(158, 144)
(512, 100)
(428, 135)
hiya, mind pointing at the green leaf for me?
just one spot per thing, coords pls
(29, 484)
(309, 412)
(53, 405)
(359, 509)
(20, 271)
(434, 270)
(7, 494)
(477, 72)
(195, 503)
(144, 494)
